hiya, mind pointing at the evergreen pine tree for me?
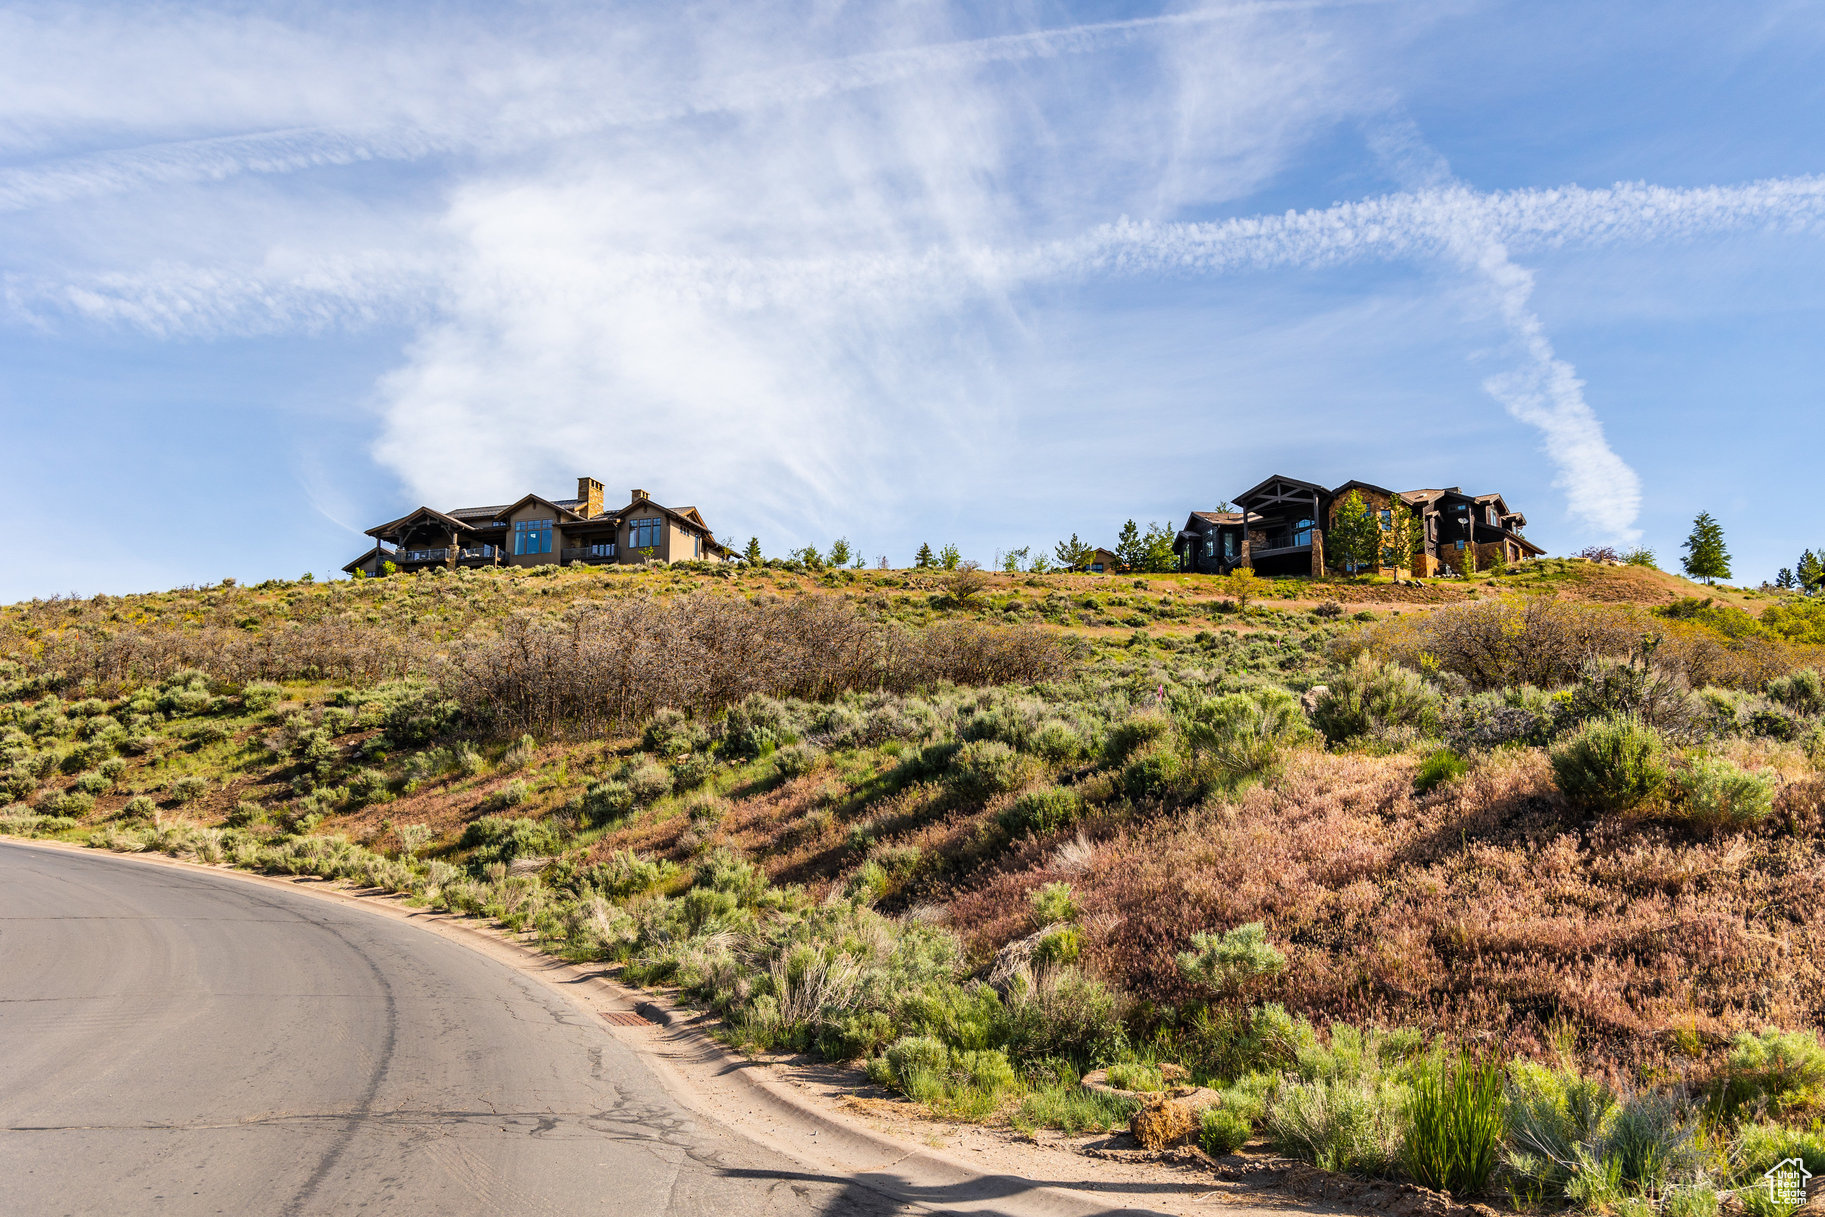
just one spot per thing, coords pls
(1157, 556)
(752, 554)
(1128, 548)
(925, 559)
(1073, 554)
(1706, 558)
(1810, 573)
(839, 552)
(1785, 580)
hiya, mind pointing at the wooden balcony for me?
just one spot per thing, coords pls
(589, 553)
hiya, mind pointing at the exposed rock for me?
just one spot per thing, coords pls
(1309, 699)
(1164, 1123)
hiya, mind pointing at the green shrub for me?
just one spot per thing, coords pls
(1221, 1131)
(1063, 1015)
(1766, 1143)
(520, 755)
(1041, 811)
(139, 807)
(649, 782)
(1062, 945)
(1057, 742)
(754, 727)
(246, 814)
(1783, 1069)
(981, 768)
(692, 771)
(69, 803)
(1053, 902)
(1068, 1107)
(1802, 691)
(1437, 769)
(796, 760)
(670, 733)
(606, 802)
(1610, 765)
(113, 769)
(1137, 1076)
(1455, 1123)
(367, 786)
(1375, 699)
(1154, 775)
(1225, 962)
(968, 1083)
(1133, 734)
(511, 795)
(187, 789)
(91, 783)
(260, 695)
(1244, 733)
(1713, 793)
(1353, 1125)
(504, 838)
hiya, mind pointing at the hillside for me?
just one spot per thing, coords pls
(826, 804)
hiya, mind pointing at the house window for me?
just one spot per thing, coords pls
(1229, 545)
(1387, 555)
(1460, 545)
(1210, 547)
(643, 534)
(1302, 533)
(1096, 567)
(1387, 520)
(532, 536)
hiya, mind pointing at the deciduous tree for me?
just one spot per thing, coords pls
(1354, 538)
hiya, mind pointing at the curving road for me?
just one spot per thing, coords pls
(175, 1042)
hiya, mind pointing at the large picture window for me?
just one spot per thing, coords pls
(643, 534)
(532, 536)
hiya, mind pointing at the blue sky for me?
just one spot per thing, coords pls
(903, 272)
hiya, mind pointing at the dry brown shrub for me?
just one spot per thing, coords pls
(1485, 909)
(1544, 642)
(610, 663)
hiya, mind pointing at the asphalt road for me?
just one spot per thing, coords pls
(175, 1042)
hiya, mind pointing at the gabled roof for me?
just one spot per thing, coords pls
(562, 506)
(1281, 485)
(1216, 517)
(1356, 484)
(687, 515)
(426, 514)
(376, 552)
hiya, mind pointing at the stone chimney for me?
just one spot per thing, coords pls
(589, 494)
(641, 494)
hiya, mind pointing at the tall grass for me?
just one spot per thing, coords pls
(1454, 1130)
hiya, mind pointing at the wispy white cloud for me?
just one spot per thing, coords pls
(547, 113)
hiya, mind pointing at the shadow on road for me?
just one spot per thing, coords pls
(984, 1196)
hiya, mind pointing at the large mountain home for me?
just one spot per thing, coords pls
(1278, 528)
(537, 531)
